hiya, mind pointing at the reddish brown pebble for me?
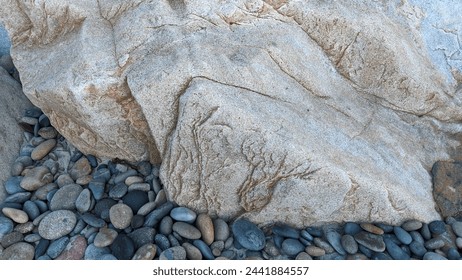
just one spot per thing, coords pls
(75, 249)
(371, 228)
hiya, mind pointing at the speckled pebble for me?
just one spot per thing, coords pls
(65, 197)
(248, 235)
(11, 238)
(372, 228)
(32, 238)
(75, 249)
(433, 256)
(437, 227)
(57, 224)
(93, 253)
(315, 251)
(411, 225)
(221, 229)
(145, 252)
(457, 228)
(118, 191)
(80, 168)
(145, 187)
(18, 251)
(349, 244)
(24, 228)
(173, 253)
(105, 237)
(16, 215)
(162, 241)
(48, 132)
(133, 180)
(57, 247)
(292, 247)
(434, 243)
(192, 253)
(205, 225)
(186, 230)
(83, 202)
(120, 215)
(142, 236)
(371, 241)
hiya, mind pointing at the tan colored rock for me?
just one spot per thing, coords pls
(287, 111)
(13, 103)
(43, 149)
(36, 178)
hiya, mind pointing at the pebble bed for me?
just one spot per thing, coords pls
(64, 205)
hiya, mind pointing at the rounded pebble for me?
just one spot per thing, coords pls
(102, 208)
(173, 253)
(437, 227)
(12, 185)
(11, 238)
(248, 235)
(80, 168)
(417, 249)
(36, 178)
(75, 249)
(204, 249)
(457, 228)
(145, 187)
(286, 231)
(92, 220)
(166, 225)
(411, 225)
(192, 253)
(372, 228)
(205, 225)
(292, 247)
(186, 230)
(118, 191)
(57, 247)
(83, 202)
(315, 251)
(97, 189)
(334, 238)
(395, 251)
(65, 197)
(453, 254)
(135, 200)
(183, 214)
(349, 244)
(56, 224)
(94, 253)
(20, 197)
(434, 243)
(402, 235)
(123, 247)
(105, 237)
(31, 209)
(162, 241)
(433, 256)
(41, 247)
(18, 251)
(16, 215)
(43, 149)
(120, 215)
(371, 241)
(142, 236)
(221, 229)
(145, 252)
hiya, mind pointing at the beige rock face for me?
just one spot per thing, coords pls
(291, 111)
(13, 103)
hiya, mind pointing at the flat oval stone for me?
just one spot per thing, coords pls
(19, 197)
(57, 247)
(41, 247)
(11, 238)
(349, 244)
(94, 253)
(417, 237)
(123, 247)
(381, 256)
(221, 229)
(105, 237)
(102, 175)
(453, 254)
(395, 251)
(32, 238)
(304, 234)
(173, 253)
(323, 244)
(372, 228)
(97, 188)
(121, 216)
(65, 197)
(425, 231)
(64, 179)
(142, 236)
(286, 231)
(36, 178)
(135, 200)
(315, 251)
(248, 235)
(147, 208)
(43, 191)
(205, 225)
(24, 228)
(83, 202)
(292, 247)
(57, 224)
(192, 253)
(433, 256)
(183, 214)
(43, 149)
(437, 227)
(145, 187)
(434, 243)
(145, 252)
(75, 249)
(457, 228)
(13, 185)
(334, 238)
(93, 221)
(118, 191)
(166, 225)
(417, 249)
(133, 180)
(204, 249)
(124, 175)
(371, 241)
(48, 132)
(80, 168)
(402, 235)
(412, 225)
(31, 209)
(186, 230)
(18, 251)
(16, 215)
(153, 218)
(162, 241)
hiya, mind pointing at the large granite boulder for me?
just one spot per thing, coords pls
(292, 111)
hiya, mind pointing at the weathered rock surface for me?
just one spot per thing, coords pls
(291, 111)
(447, 184)
(13, 103)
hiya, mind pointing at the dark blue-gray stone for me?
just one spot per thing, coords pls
(19, 197)
(277, 239)
(142, 236)
(97, 189)
(41, 247)
(292, 247)
(91, 238)
(93, 221)
(26, 151)
(12, 185)
(380, 256)
(386, 228)
(123, 247)
(6, 225)
(79, 227)
(76, 156)
(205, 250)
(402, 235)
(433, 256)
(44, 258)
(453, 254)
(434, 243)
(33, 112)
(25, 160)
(395, 251)
(173, 240)
(93, 253)
(157, 214)
(288, 232)
(118, 191)
(50, 195)
(392, 237)
(112, 167)
(57, 246)
(306, 235)
(122, 176)
(351, 228)
(314, 231)
(102, 208)
(44, 121)
(92, 160)
(335, 239)
(417, 249)
(248, 235)
(42, 206)
(102, 175)
(349, 244)
(425, 232)
(137, 221)
(31, 209)
(437, 227)
(144, 167)
(36, 129)
(162, 241)
(183, 214)
(135, 199)
(416, 236)
(304, 241)
(165, 226)
(372, 241)
(366, 251)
